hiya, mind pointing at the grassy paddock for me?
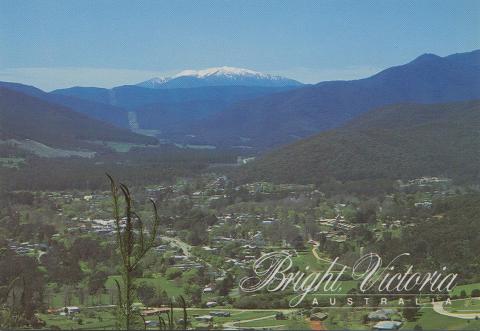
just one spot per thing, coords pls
(467, 288)
(430, 320)
(172, 288)
(468, 305)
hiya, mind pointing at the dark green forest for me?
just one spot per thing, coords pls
(397, 142)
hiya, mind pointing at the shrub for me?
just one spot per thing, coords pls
(173, 273)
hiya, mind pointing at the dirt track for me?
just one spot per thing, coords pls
(316, 325)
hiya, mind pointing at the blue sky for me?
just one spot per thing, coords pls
(55, 44)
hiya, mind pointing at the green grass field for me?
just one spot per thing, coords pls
(243, 319)
(120, 147)
(339, 319)
(468, 305)
(235, 316)
(43, 150)
(106, 319)
(11, 162)
(90, 319)
(467, 288)
(430, 320)
(306, 259)
(172, 288)
(289, 324)
(343, 319)
(57, 298)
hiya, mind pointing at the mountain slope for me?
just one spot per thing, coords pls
(25, 117)
(153, 83)
(280, 118)
(169, 109)
(134, 97)
(220, 76)
(103, 112)
(400, 141)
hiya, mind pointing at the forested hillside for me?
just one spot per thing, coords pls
(281, 118)
(26, 117)
(400, 141)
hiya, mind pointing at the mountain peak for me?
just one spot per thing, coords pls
(153, 82)
(427, 57)
(219, 76)
(222, 71)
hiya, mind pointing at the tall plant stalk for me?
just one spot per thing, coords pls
(8, 318)
(133, 243)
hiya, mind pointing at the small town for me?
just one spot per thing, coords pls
(204, 264)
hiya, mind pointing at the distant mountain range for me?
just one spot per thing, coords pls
(100, 111)
(220, 76)
(399, 141)
(168, 109)
(283, 117)
(27, 118)
(241, 108)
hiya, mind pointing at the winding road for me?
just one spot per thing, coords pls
(438, 308)
(178, 243)
(315, 247)
(234, 325)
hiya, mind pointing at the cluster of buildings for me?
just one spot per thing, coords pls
(337, 229)
(26, 248)
(424, 181)
(98, 226)
(386, 319)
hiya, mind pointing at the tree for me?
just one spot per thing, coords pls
(133, 243)
(366, 213)
(96, 282)
(88, 249)
(21, 290)
(365, 319)
(146, 294)
(161, 298)
(410, 312)
(311, 229)
(6, 287)
(226, 285)
(194, 292)
(173, 273)
(62, 266)
(297, 242)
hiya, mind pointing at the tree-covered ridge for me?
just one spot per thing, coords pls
(450, 239)
(27, 117)
(400, 141)
(281, 118)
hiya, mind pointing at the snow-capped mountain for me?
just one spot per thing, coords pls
(219, 76)
(155, 82)
(225, 71)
